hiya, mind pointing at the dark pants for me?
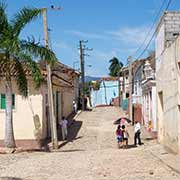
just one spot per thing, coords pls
(137, 136)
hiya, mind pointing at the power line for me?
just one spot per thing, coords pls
(169, 2)
(151, 28)
(83, 48)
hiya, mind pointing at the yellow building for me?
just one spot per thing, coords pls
(31, 115)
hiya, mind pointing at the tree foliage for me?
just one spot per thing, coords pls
(16, 54)
(115, 67)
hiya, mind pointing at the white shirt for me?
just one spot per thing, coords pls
(137, 127)
(63, 123)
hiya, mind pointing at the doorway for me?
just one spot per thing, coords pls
(160, 123)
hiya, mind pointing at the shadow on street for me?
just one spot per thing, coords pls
(72, 133)
(10, 178)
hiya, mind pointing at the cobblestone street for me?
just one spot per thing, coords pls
(90, 153)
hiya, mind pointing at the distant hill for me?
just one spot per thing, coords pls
(90, 78)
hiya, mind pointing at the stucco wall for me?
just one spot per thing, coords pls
(108, 90)
(25, 110)
(68, 98)
(159, 45)
(30, 115)
(154, 118)
(172, 25)
(168, 79)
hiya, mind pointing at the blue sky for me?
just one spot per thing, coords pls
(112, 28)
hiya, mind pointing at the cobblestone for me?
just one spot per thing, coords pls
(90, 153)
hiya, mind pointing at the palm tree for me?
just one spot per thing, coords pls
(115, 66)
(15, 55)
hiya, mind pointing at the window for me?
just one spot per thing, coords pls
(161, 99)
(127, 95)
(3, 101)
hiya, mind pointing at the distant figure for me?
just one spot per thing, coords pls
(63, 124)
(125, 136)
(119, 136)
(150, 125)
(137, 132)
(110, 102)
(79, 103)
(85, 102)
(75, 106)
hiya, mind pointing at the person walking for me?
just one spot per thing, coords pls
(137, 132)
(125, 135)
(75, 106)
(85, 102)
(119, 136)
(63, 123)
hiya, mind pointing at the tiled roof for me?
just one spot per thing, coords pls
(58, 67)
(109, 78)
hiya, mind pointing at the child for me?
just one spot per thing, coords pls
(125, 135)
(119, 136)
(64, 124)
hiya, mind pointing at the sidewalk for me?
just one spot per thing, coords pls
(158, 151)
(167, 158)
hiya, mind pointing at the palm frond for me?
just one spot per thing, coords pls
(23, 17)
(115, 66)
(114, 60)
(21, 78)
(34, 68)
(38, 51)
(121, 64)
(3, 19)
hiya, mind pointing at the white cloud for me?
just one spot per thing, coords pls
(133, 36)
(61, 45)
(87, 35)
(124, 50)
(104, 55)
(95, 72)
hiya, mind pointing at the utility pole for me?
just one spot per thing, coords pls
(119, 85)
(53, 123)
(82, 49)
(130, 89)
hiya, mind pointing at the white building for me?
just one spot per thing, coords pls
(168, 80)
(149, 98)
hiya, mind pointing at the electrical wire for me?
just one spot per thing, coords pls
(151, 28)
(168, 4)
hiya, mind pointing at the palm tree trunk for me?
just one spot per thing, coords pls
(9, 140)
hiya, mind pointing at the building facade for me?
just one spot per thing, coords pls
(107, 93)
(31, 116)
(168, 80)
(149, 98)
(124, 88)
